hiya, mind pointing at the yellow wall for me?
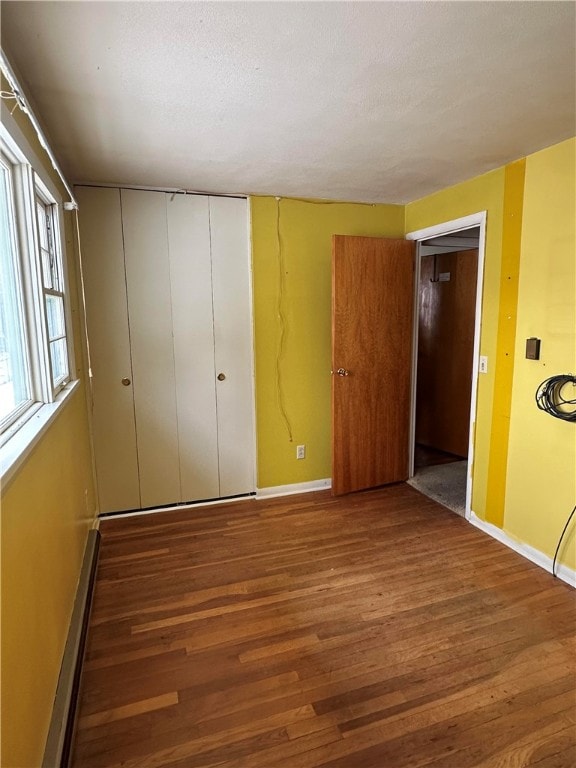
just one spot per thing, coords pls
(484, 193)
(541, 483)
(49, 505)
(524, 474)
(306, 229)
(503, 363)
(46, 511)
(527, 242)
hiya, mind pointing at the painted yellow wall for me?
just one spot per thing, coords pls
(503, 363)
(524, 474)
(49, 505)
(541, 482)
(484, 193)
(44, 524)
(306, 229)
(46, 511)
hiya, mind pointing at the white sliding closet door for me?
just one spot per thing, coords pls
(168, 310)
(153, 368)
(192, 316)
(232, 342)
(114, 431)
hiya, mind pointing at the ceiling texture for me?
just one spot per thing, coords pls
(363, 101)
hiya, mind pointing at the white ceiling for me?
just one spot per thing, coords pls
(385, 101)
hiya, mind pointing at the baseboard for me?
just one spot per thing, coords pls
(534, 555)
(180, 507)
(288, 490)
(60, 733)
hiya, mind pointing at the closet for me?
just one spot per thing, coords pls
(167, 288)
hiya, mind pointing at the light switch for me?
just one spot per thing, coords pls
(533, 348)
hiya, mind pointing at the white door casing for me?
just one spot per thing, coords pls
(445, 228)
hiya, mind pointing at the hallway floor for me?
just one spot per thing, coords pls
(445, 483)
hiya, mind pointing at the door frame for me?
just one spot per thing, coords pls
(445, 228)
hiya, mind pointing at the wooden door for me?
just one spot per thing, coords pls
(372, 312)
(447, 311)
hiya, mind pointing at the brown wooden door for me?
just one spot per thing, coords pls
(372, 315)
(446, 350)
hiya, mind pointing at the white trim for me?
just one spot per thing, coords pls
(58, 747)
(59, 214)
(33, 285)
(476, 357)
(19, 144)
(17, 449)
(24, 104)
(261, 493)
(445, 228)
(534, 555)
(252, 347)
(414, 362)
(176, 507)
(289, 490)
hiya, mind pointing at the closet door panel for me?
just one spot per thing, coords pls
(192, 316)
(107, 321)
(150, 317)
(233, 343)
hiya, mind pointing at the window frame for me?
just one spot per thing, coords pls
(19, 413)
(42, 196)
(31, 180)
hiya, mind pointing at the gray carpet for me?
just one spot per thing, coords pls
(445, 483)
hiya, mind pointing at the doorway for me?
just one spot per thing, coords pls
(445, 368)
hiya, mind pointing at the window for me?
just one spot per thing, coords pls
(53, 291)
(15, 386)
(35, 345)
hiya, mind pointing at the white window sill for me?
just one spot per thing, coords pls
(16, 450)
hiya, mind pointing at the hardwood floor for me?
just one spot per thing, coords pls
(376, 630)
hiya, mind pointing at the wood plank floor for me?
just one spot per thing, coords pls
(377, 630)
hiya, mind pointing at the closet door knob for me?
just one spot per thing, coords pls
(221, 376)
(126, 381)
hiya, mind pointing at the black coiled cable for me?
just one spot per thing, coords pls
(560, 541)
(550, 398)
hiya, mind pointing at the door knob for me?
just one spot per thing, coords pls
(221, 376)
(343, 372)
(126, 381)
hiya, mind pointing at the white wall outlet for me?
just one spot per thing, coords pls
(300, 451)
(483, 368)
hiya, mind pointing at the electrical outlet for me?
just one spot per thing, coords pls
(300, 451)
(483, 368)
